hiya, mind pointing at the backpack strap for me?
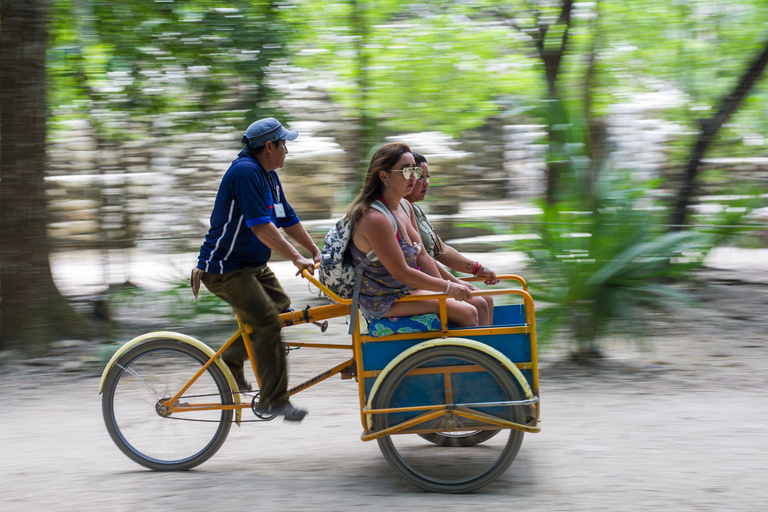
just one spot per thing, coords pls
(360, 267)
(406, 206)
(378, 205)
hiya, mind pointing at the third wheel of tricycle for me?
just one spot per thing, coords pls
(468, 438)
(455, 462)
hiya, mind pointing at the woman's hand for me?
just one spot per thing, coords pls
(459, 291)
(489, 274)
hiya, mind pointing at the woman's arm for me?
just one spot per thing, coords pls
(447, 275)
(429, 266)
(453, 259)
(375, 232)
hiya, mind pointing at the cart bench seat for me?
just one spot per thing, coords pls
(404, 325)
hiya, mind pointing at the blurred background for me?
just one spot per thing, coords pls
(605, 147)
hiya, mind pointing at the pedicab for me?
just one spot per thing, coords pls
(448, 406)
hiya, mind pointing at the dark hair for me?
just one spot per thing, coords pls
(260, 149)
(383, 159)
(419, 158)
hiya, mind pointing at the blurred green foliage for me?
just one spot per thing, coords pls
(603, 256)
(602, 268)
(411, 66)
(601, 271)
(174, 303)
(403, 65)
(142, 59)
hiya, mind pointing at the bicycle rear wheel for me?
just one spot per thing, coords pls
(140, 381)
(429, 377)
(468, 438)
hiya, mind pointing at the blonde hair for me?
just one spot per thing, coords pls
(384, 159)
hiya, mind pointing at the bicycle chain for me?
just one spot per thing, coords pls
(218, 421)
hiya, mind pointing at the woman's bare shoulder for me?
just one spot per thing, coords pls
(374, 219)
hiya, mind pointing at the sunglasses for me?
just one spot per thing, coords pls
(409, 171)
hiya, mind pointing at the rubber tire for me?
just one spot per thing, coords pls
(469, 439)
(113, 379)
(392, 382)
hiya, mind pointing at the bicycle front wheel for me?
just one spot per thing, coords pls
(148, 375)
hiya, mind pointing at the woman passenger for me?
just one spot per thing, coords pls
(403, 267)
(444, 253)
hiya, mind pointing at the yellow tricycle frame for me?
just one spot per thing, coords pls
(342, 307)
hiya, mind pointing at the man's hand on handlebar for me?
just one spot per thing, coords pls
(303, 263)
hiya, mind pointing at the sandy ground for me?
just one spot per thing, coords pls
(681, 426)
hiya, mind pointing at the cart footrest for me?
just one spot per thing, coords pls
(404, 325)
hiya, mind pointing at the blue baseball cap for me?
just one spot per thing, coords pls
(264, 130)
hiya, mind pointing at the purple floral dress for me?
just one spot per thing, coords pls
(379, 289)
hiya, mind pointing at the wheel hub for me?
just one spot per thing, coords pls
(161, 409)
(449, 421)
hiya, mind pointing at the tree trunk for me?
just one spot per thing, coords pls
(707, 132)
(597, 129)
(367, 126)
(32, 311)
(551, 56)
(552, 59)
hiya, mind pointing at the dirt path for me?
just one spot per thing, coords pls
(681, 427)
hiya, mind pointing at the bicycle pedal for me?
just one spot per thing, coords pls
(350, 372)
(261, 416)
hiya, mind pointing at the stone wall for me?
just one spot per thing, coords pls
(152, 186)
(105, 195)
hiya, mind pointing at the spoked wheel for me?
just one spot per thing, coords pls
(134, 390)
(457, 375)
(470, 438)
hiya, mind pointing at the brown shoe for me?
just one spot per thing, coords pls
(288, 411)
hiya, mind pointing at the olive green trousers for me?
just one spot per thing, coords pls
(257, 297)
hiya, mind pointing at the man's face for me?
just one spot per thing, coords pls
(276, 151)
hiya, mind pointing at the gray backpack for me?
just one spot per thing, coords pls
(337, 271)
